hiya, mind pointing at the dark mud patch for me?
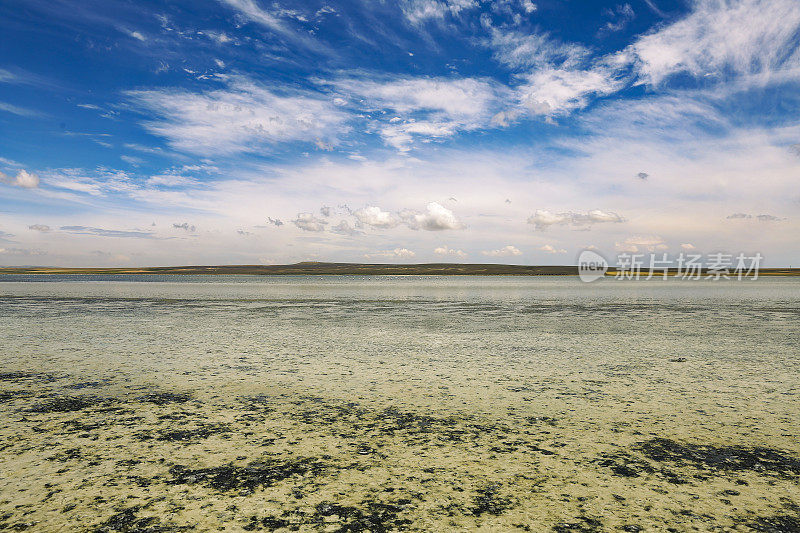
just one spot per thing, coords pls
(731, 458)
(127, 521)
(66, 404)
(256, 474)
(163, 398)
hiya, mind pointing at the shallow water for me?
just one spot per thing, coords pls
(394, 403)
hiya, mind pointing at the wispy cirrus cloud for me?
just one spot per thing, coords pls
(421, 11)
(721, 37)
(407, 108)
(241, 116)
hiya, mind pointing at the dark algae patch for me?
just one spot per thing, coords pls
(256, 474)
(488, 500)
(376, 517)
(127, 521)
(163, 398)
(733, 458)
(65, 404)
(203, 431)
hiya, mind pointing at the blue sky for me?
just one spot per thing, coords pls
(246, 131)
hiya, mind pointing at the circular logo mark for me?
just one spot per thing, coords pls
(591, 266)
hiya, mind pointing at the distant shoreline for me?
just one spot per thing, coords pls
(313, 268)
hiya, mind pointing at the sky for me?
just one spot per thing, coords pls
(137, 133)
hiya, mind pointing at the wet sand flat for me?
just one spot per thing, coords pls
(390, 405)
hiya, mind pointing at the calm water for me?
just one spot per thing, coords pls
(428, 403)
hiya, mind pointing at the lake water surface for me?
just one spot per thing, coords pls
(344, 403)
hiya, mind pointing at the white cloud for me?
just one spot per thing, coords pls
(517, 49)
(250, 10)
(447, 251)
(435, 218)
(344, 228)
(401, 253)
(554, 91)
(24, 179)
(375, 217)
(505, 251)
(419, 11)
(21, 251)
(543, 219)
(688, 246)
(637, 243)
(622, 14)
(138, 36)
(309, 222)
(429, 108)
(242, 117)
(550, 249)
(44, 228)
(740, 36)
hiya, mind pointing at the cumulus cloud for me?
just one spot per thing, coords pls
(344, 228)
(375, 217)
(435, 218)
(244, 116)
(552, 249)
(503, 252)
(642, 175)
(638, 243)
(447, 251)
(768, 218)
(543, 219)
(309, 222)
(401, 253)
(44, 228)
(274, 221)
(739, 216)
(325, 211)
(24, 179)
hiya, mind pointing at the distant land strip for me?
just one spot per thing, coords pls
(315, 268)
